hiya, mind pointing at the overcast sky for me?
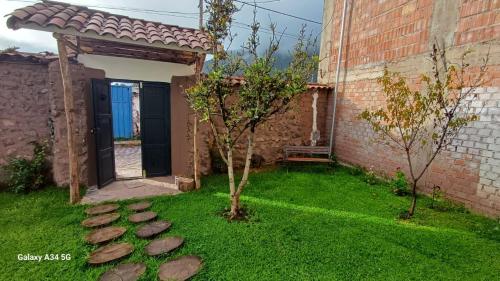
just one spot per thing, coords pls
(36, 41)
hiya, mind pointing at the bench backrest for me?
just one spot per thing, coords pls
(306, 150)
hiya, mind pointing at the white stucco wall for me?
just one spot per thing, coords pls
(136, 69)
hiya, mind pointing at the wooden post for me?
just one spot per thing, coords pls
(198, 68)
(197, 182)
(69, 110)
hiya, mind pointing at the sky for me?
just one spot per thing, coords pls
(37, 41)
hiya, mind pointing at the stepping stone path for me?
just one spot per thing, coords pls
(102, 209)
(105, 234)
(110, 252)
(162, 246)
(142, 217)
(100, 220)
(140, 206)
(180, 269)
(124, 272)
(152, 228)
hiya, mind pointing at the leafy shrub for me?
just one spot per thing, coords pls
(371, 178)
(218, 164)
(400, 184)
(25, 175)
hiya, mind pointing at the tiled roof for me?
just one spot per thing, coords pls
(50, 15)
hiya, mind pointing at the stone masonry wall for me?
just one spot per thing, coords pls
(292, 128)
(399, 35)
(32, 108)
(81, 86)
(24, 104)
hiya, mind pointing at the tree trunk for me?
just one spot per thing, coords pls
(235, 206)
(411, 211)
(248, 162)
(195, 154)
(235, 193)
(235, 200)
(74, 180)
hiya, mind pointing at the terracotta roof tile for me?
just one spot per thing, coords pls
(39, 19)
(109, 30)
(21, 14)
(57, 22)
(64, 15)
(47, 12)
(92, 27)
(83, 20)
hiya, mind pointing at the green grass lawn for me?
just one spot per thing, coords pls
(314, 225)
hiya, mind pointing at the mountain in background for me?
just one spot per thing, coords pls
(283, 59)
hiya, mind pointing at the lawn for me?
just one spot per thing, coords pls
(305, 225)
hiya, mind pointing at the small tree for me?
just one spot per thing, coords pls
(233, 112)
(431, 117)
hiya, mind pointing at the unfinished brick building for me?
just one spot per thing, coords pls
(399, 35)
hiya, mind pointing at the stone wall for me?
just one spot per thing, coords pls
(292, 128)
(81, 90)
(24, 106)
(399, 35)
(32, 108)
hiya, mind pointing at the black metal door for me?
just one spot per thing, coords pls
(155, 128)
(103, 131)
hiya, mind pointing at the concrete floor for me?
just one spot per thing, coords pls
(129, 189)
(128, 160)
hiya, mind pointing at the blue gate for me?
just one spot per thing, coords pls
(121, 98)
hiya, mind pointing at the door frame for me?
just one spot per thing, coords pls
(108, 82)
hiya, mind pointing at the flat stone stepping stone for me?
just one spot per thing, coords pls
(140, 206)
(124, 272)
(105, 234)
(180, 269)
(162, 246)
(100, 220)
(152, 228)
(102, 209)
(142, 217)
(110, 253)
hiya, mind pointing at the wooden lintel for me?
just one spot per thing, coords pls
(107, 48)
(69, 105)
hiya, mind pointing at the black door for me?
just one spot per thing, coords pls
(103, 131)
(155, 128)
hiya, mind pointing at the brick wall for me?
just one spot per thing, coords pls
(399, 35)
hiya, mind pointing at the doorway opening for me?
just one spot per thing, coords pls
(132, 129)
(125, 107)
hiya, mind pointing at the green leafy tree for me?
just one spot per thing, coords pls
(234, 112)
(428, 118)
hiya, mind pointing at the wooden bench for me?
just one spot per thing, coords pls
(299, 153)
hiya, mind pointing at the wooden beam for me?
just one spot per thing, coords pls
(69, 110)
(107, 48)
